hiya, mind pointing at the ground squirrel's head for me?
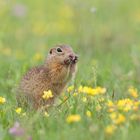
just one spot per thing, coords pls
(63, 55)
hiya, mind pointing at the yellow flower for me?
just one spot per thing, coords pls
(73, 118)
(38, 57)
(133, 92)
(80, 89)
(46, 114)
(111, 106)
(110, 129)
(84, 99)
(120, 119)
(125, 104)
(47, 95)
(75, 94)
(70, 88)
(117, 118)
(18, 110)
(2, 100)
(136, 105)
(88, 113)
(113, 115)
(91, 91)
(110, 103)
(111, 110)
(101, 90)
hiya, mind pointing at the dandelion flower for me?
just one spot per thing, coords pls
(73, 118)
(47, 95)
(18, 110)
(2, 100)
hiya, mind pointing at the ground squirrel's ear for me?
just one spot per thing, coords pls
(51, 51)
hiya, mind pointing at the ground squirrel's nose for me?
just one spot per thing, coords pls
(73, 57)
(76, 57)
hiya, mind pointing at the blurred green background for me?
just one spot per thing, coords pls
(105, 34)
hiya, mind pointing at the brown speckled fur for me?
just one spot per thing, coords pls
(53, 75)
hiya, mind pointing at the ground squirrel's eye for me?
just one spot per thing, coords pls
(59, 50)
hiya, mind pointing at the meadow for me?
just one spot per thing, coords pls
(103, 101)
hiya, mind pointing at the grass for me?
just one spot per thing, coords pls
(105, 34)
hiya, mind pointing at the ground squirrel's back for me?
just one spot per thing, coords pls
(58, 69)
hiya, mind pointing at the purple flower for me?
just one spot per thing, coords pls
(19, 10)
(29, 138)
(16, 130)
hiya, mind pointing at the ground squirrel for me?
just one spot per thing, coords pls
(54, 74)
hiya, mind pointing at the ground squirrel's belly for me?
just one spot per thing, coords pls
(38, 80)
(35, 83)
